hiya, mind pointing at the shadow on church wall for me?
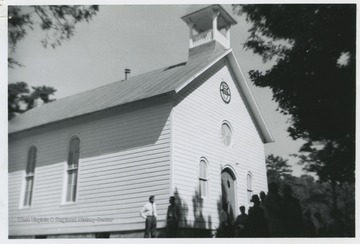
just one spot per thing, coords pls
(199, 227)
(114, 130)
(225, 229)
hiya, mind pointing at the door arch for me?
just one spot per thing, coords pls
(228, 191)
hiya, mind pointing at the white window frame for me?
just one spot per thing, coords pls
(225, 122)
(203, 179)
(249, 185)
(72, 170)
(27, 195)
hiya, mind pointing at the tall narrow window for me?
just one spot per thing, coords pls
(249, 186)
(226, 133)
(203, 178)
(29, 177)
(72, 169)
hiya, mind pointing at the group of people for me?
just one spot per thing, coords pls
(149, 213)
(275, 215)
(272, 215)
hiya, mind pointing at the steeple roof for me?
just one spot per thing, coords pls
(201, 14)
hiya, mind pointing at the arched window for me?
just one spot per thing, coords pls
(249, 186)
(203, 178)
(226, 133)
(72, 169)
(29, 176)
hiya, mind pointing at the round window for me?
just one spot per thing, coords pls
(225, 92)
(226, 134)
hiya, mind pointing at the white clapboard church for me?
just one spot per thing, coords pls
(84, 165)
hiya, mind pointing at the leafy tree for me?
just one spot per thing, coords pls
(20, 99)
(279, 171)
(15, 93)
(327, 161)
(277, 168)
(58, 23)
(313, 79)
(317, 196)
(314, 195)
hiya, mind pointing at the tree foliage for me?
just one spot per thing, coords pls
(314, 195)
(313, 79)
(57, 21)
(328, 160)
(15, 92)
(317, 196)
(277, 168)
(20, 99)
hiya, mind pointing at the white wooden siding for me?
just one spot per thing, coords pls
(197, 119)
(124, 158)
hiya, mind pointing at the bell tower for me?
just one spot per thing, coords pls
(209, 28)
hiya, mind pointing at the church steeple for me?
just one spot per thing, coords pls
(209, 28)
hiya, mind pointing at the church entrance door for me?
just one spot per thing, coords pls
(228, 190)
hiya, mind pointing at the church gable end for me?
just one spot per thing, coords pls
(211, 121)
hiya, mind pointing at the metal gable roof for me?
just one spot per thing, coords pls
(139, 87)
(171, 79)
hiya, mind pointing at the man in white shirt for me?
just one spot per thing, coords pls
(148, 212)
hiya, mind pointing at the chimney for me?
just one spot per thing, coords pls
(38, 102)
(127, 71)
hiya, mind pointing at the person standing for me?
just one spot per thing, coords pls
(172, 218)
(263, 202)
(224, 221)
(274, 211)
(292, 214)
(148, 212)
(240, 223)
(263, 207)
(256, 225)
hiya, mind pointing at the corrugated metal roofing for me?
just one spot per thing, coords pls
(139, 87)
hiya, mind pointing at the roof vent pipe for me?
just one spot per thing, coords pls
(127, 71)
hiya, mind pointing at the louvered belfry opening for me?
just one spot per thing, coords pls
(209, 29)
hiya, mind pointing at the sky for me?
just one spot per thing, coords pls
(142, 38)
